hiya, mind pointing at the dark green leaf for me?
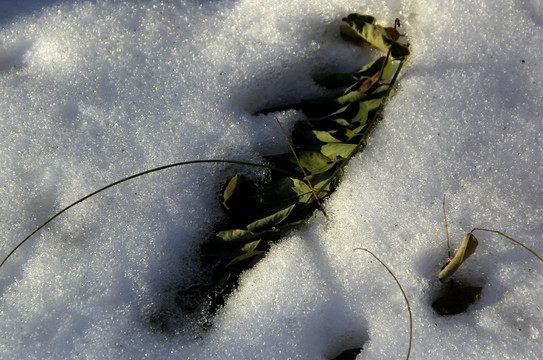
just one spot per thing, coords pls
(325, 186)
(270, 220)
(246, 252)
(285, 188)
(317, 136)
(250, 247)
(338, 151)
(357, 113)
(344, 135)
(233, 236)
(348, 98)
(313, 162)
(244, 257)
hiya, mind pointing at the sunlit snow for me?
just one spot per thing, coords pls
(93, 91)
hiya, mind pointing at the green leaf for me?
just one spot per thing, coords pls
(233, 236)
(280, 194)
(362, 30)
(357, 113)
(244, 257)
(247, 248)
(354, 113)
(279, 198)
(373, 68)
(351, 117)
(325, 187)
(326, 136)
(347, 135)
(351, 111)
(348, 98)
(231, 186)
(467, 248)
(313, 162)
(287, 187)
(374, 103)
(271, 220)
(338, 151)
(344, 135)
(303, 197)
(246, 252)
(387, 70)
(317, 136)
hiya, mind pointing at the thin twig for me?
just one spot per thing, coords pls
(404, 296)
(446, 227)
(509, 238)
(301, 167)
(132, 177)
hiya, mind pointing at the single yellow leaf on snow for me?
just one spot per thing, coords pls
(469, 244)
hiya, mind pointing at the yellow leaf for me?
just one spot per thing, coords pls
(469, 244)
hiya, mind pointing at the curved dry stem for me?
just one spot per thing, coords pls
(404, 296)
(446, 228)
(164, 167)
(509, 238)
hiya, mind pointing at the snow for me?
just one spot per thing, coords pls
(93, 91)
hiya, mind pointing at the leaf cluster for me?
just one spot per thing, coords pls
(336, 128)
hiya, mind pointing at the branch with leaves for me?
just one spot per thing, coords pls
(337, 128)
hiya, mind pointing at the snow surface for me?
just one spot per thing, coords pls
(93, 91)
